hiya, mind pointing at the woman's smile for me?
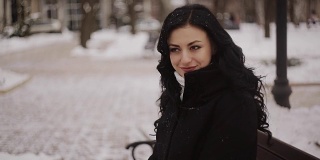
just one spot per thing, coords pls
(188, 69)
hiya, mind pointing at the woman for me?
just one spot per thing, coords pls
(211, 104)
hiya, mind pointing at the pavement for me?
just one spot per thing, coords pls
(76, 108)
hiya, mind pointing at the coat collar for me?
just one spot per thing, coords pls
(202, 85)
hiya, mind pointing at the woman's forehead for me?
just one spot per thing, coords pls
(187, 33)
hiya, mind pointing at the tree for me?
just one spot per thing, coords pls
(133, 15)
(4, 22)
(296, 8)
(219, 8)
(89, 22)
(165, 7)
(259, 5)
(267, 18)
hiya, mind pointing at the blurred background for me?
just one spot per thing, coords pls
(24, 17)
(78, 78)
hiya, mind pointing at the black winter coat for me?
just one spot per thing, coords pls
(213, 122)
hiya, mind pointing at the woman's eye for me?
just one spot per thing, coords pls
(195, 47)
(174, 49)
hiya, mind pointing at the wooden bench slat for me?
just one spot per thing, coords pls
(278, 150)
(263, 154)
(282, 149)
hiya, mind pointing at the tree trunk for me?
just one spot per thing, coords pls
(220, 8)
(259, 5)
(165, 8)
(214, 7)
(308, 8)
(4, 22)
(89, 22)
(14, 11)
(21, 11)
(267, 18)
(295, 11)
(299, 8)
(133, 17)
(291, 10)
(113, 18)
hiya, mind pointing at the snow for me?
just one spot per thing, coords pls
(16, 44)
(27, 156)
(298, 126)
(9, 79)
(107, 44)
(302, 43)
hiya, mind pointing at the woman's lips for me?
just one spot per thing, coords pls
(188, 69)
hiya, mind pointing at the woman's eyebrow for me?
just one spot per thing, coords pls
(191, 43)
(174, 45)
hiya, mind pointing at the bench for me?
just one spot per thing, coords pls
(278, 150)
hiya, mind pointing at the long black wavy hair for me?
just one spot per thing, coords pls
(228, 57)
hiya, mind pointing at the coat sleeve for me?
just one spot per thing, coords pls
(154, 154)
(233, 133)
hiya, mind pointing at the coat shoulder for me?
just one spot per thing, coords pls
(236, 103)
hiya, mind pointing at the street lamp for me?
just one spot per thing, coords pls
(281, 89)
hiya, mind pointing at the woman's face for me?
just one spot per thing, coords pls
(190, 49)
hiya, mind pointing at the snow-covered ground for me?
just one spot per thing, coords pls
(17, 44)
(298, 126)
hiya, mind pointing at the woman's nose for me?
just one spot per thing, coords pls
(186, 57)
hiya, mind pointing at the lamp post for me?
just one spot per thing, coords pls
(281, 89)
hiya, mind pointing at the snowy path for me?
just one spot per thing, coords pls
(76, 108)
